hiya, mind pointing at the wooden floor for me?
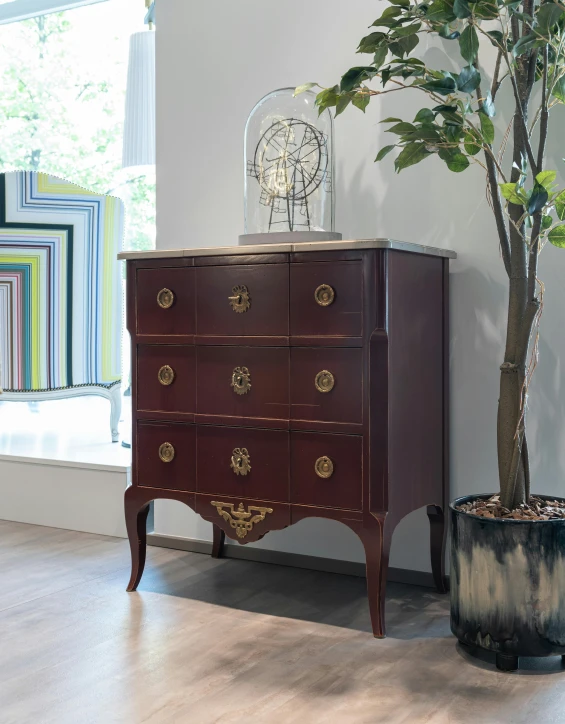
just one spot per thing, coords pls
(232, 641)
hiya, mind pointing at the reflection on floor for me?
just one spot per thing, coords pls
(75, 430)
(229, 641)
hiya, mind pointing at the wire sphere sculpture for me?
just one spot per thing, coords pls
(290, 163)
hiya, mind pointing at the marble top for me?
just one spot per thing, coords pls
(303, 246)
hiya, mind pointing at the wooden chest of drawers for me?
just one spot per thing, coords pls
(275, 383)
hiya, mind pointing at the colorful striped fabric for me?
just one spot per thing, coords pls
(60, 284)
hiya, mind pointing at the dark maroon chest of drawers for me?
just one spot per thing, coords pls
(272, 384)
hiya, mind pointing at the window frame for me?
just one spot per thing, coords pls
(16, 10)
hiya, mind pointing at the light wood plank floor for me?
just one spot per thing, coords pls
(232, 641)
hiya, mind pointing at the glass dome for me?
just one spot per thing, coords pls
(289, 168)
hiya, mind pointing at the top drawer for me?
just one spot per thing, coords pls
(242, 300)
(326, 299)
(165, 301)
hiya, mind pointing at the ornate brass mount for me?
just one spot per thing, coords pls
(165, 298)
(241, 299)
(166, 452)
(241, 520)
(166, 375)
(241, 380)
(324, 295)
(240, 461)
(324, 467)
(324, 381)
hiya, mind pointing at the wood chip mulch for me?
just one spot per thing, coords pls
(537, 509)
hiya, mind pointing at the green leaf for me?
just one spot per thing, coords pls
(361, 101)
(548, 15)
(510, 192)
(303, 88)
(440, 11)
(425, 115)
(370, 43)
(390, 119)
(457, 163)
(559, 90)
(447, 33)
(355, 76)
(380, 57)
(469, 79)
(343, 101)
(546, 178)
(538, 199)
(486, 9)
(401, 128)
(525, 44)
(487, 127)
(546, 222)
(461, 9)
(407, 30)
(327, 98)
(411, 154)
(403, 3)
(496, 37)
(471, 145)
(488, 106)
(557, 236)
(444, 86)
(392, 12)
(560, 206)
(469, 43)
(384, 152)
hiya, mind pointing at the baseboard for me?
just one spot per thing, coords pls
(297, 560)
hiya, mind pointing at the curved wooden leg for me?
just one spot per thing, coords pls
(218, 541)
(437, 545)
(376, 540)
(136, 524)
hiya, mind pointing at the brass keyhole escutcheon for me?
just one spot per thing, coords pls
(167, 452)
(324, 467)
(324, 295)
(165, 298)
(166, 375)
(240, 300)
(324, 381)
(241, 380)
(240, 461)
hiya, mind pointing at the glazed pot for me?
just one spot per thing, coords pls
(508, 584)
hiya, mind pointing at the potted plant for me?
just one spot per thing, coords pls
(508, 550)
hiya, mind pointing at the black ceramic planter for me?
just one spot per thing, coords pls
(508, 585)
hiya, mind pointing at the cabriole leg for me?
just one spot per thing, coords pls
(437, 545)
(136, 524)
(218, 540)
(376, 541)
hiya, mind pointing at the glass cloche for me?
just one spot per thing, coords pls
(289, 170)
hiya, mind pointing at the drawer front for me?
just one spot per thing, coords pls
(341, 400)
(244, 520)
(166, 378)
(243, 381)
(326, 470)
(243, 462)
(165, 301)
(246, 300)
(166, 455)
(326, 299)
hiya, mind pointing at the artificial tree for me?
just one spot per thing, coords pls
(524, 42)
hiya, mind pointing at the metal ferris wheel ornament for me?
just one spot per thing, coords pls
(289, 170)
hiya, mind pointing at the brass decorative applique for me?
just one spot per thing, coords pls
(324, 381)
(324, 467)
(241, 520)
(166, 375)
(240, 461)
(241, 380)
(165, 298)
(324, 295)
(241, 300)
(166, 452)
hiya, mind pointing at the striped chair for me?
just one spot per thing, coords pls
(60, 291)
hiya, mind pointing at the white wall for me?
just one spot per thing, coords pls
(214, 61)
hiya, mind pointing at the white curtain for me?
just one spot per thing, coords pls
(14, 10)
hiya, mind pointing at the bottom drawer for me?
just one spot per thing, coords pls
(243, 519)
(326, 470)
(166, 455)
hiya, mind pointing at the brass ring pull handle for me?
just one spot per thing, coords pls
(241, 380)
(166, 452)
(240, 461)
(166, 375)
(165, 298)
(324, 295)
(324, 381)
(324, 467)
(241, 299)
